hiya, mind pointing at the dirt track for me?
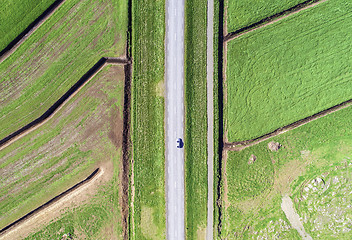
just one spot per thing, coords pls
(272, 19)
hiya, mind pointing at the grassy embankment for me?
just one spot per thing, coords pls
(276, 76)
(84, 134)
(16, 16)
(244, 13)
(51, 60)
(196, 118)
(148, 31)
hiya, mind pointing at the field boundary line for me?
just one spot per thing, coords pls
(14, 44)
(50, 202)
(240, 145)
(48, 114)
(272, 19)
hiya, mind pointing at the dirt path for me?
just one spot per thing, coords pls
(52, 211)
(210, 118)
(272, 19)
(238, 146)
(292, 216)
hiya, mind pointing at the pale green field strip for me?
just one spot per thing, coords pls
(240, 14)
(82, 135)
(147, 116)
(17, 15)
(276, 76)
(42, 68)
(196, 119)
(253, 192)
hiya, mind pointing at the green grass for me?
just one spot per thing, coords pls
(16, 16)
(100, 218)
(316, 149)
(148, 31)
(196, 117)
(64, 150)
(276, 76)
(244, 13)
(51, 60)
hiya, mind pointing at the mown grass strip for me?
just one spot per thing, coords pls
(196, 118)
(148, 32)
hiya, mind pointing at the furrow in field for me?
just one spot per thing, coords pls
(272, 19)
(63, 99)
(240, 145)
(49, 203)
(13, 45)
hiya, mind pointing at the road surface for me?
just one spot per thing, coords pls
(210, 116)
(174, 119)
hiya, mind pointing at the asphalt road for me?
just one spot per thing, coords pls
(174, 119)
(210, 116)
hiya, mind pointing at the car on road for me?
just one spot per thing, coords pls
(179, 143)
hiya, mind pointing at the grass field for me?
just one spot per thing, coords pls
(148, 31)
(252, 199)
(243, 13)
(275, 76)
(84, 134)
(196, 118)
(16, 16)
(51, 60)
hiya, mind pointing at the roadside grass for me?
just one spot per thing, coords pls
(98, 218)
(253, 201)
(16, 16)
(148, 31)
(58, 53)
(63, 151)
(244, 13)
(196, 117)
(276, 76)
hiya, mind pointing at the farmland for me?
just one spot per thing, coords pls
(148, 198)
(16, 16)
(84, 134)
(196, 118)
(274, 76)
(319, 149)
(56, 55)
(240, 14)
(274, 83)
